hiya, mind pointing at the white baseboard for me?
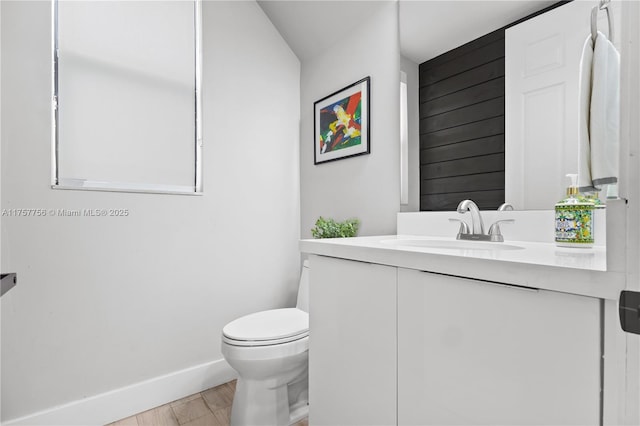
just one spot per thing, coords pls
(124, 402)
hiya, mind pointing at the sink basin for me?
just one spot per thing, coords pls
(451, 244)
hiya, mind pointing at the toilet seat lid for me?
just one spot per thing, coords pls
(264, 326)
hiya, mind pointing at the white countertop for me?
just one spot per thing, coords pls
(581, 271)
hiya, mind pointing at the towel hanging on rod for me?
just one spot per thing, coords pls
(604, 4)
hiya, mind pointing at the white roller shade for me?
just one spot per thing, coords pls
(126, 93)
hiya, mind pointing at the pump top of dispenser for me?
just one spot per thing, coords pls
(572, 189)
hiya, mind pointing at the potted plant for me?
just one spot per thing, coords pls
(329, 228)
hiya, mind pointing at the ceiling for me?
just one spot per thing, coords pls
(428, 28)
(312, 26)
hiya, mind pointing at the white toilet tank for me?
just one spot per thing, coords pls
(303, 288)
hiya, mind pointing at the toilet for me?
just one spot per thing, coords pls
(270, 352)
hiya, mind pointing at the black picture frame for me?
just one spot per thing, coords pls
(341, 123)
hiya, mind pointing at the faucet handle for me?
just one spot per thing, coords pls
(494, 230)
(464, 228)
(505, 207)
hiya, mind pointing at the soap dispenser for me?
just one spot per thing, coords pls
(574, 218)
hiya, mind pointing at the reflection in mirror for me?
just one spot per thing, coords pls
(129, 98)
(463, 142)
(552, 126)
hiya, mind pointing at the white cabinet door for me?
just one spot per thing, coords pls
(472, 352)
(352, 343)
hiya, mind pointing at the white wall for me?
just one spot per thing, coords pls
(103, 303)
(367, 186)
(413, 112)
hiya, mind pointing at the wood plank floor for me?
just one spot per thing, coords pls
(208, 408)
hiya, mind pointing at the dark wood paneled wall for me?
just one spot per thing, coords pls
(462, 126)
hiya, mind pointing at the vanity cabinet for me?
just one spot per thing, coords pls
(391, 345)
(473, 352)
(352, 343)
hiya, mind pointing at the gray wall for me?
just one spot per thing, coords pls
(367, 186)
(105, 302)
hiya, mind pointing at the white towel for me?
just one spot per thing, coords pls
(599, 133)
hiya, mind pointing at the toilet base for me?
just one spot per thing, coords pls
(259, 402)
(298, 412)
(299, 399)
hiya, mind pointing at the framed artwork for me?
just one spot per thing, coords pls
(341, 123)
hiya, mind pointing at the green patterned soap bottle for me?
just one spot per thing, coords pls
(574, 219)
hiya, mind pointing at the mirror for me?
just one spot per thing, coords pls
(533, 173)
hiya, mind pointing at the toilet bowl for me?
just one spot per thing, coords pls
(269, 350)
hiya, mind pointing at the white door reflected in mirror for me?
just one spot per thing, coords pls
(542, 103)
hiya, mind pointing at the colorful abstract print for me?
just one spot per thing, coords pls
(340, 124)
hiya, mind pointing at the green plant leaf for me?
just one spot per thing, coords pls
(329, 228)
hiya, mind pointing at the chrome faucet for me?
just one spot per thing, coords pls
(477, 224)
